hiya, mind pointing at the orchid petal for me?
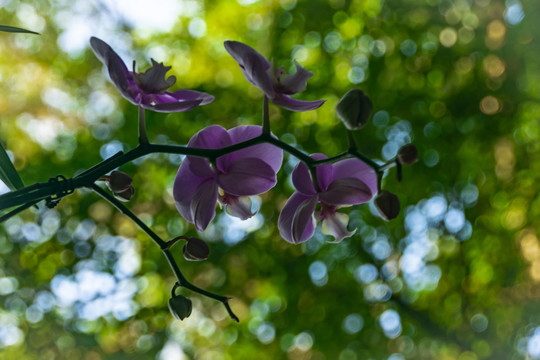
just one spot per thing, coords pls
(356, 168)
(346, 191)
(188, 95)
(336, 226)
(289, 103)
(270, 154)
(240, 50)
(302, 180)
(155, 102)
(211, 137)
(185, 185)
(303, 225)
(118, 72)
(201, 167)
(238, 206)
(203, 204)
(295, 221)
(324, 172)
(295, 83)
(247, 177)
(254, 66)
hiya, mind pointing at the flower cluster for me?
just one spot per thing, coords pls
(347, 182)
(230, 179)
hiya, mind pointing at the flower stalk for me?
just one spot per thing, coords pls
(143, 138)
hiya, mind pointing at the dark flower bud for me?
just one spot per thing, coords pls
(180, 307)
(354, 109)
(126, 194)
(118, 181)
(387, 204)
(407, 154)
(195, 250)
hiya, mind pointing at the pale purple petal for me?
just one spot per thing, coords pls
(118, 72)
(357, 169)
(254, 66)
(247, 177)
(324, 172)
(302, 181)
(289, 103)
(203, 204)
(270, 154)
(336, 226)
(185, 185)
(188, 95)
(298, 214)
(295, 83)
(303, 225)
(201, 167)
(240, 50)
(346, 191)
(237, 206)
(166, 103)
(211, 137)
(259, 76)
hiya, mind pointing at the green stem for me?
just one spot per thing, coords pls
(266, 117)
(352, 143)
(143, 138)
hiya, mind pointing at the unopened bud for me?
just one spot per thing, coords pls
(118, 181)
(408, 154)
(387, 204)
(180, 307)
(354, 109)
(126, 194)
(195, 250)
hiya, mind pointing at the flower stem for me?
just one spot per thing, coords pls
(164, 246)
(266, 117)
(143, 139)
(352, 143)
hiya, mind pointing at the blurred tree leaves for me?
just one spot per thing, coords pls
(460, 266)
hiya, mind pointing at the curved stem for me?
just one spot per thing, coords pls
(266, 117)
(143, 138)
(164, 246)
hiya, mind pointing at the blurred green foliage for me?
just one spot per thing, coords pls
(455, 276)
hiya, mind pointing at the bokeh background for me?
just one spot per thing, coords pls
(455, 276)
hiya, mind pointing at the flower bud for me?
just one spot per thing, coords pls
(118, 181)
(354, 109)
(180, 307)
(195, 250)
(408, 154)
(126, 194)
(387, 204)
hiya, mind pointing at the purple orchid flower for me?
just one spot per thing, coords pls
(199, 184)
(147, 89)
(347, 182)
(276, 84)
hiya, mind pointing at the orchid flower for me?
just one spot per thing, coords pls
(148, 89)
(233, 177)
(276, 84)
(347, 182)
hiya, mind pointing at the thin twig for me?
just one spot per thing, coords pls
(164, 246)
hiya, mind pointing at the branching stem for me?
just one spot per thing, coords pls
(30, 195)
(164, 246)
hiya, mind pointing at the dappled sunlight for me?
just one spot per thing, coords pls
(455, 276)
